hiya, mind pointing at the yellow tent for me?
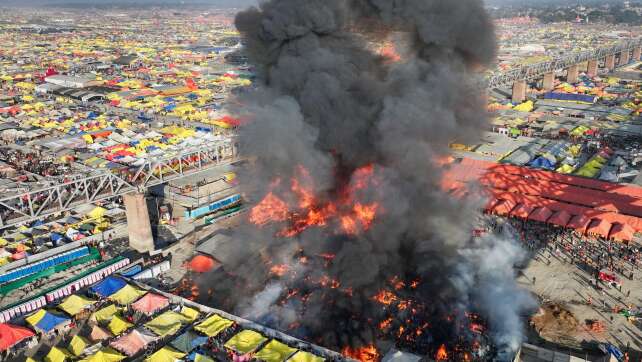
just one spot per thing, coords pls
(127, 295)
(118, 325)
(524, 107)
(166, 354)
(29, 359)
(105, 355)
(245, 341)
(190, 313)
(74, 304)
(97, 212)
(213, 325)
(77, 345)
(106, 313)
(167, 323)
(275, 351)
(565, 169)
(303, 356)
(202, 358)
(57, 354)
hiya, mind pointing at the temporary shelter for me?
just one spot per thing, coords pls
(166, 354)
(541, 214)
(118, 325)
(213, 325)
(201, 264)
(579, 223)
(522, 211)
(108, 286)
(127, 295)
(599, 227)
(44, 321)
(188, 341)
(11, 335)
(77, 345)
(133, 342)
(104, 355)
(57, 354)
(105, 314)
(621, 232)
(275, 351)
(74, 304)
(246, 341)
(99, 334)
(560, 218)
(303, 356)
(150, 303)
(167, 323)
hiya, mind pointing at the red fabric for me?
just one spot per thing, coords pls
(561, 218)
(541, 214)
(10, 335)
(504, 207)
(150, 303)
(599, 227)
(622, 232)
(579, 223)
(522, 211)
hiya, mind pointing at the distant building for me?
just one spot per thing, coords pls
(72, 81)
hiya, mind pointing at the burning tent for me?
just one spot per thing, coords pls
(201, 264)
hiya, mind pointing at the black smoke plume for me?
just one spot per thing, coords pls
(328, 102)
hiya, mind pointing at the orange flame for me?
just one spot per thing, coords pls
(271, 208)
(279, 270)
(363, 354)
(385, 297)
(442, 353)
(385, 324)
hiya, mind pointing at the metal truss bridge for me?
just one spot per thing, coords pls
(537, 70)
(102, 185)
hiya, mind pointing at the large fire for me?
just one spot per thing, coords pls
(364, 354)
(350, 215)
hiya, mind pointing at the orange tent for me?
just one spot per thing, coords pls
(621, 232)
(541, 214)
(504, 207)
(201, 264)
(522, 211)
(579, 223)
(599, 227)
(560, 218)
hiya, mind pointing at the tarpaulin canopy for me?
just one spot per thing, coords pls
(133, 342)
(275, 351)
(201, 264)
(97, 212)
(213, 325)
(150, 303)
(540, 214)
(303, 356)
(198, 357)
(11, 335)
(106, 313)
(560, 218)
(188, 341)
(579, 223)
(504, 207)
(127, 295)
(118, 325)
(45, 321)
(190, 313)
(77, 345)
(167, 323)
(98, 334)
(245, 341)
(57, 354)
(74, 304)
(108, 286)
(104, 355)
(166, 354)
(622, 232)
(522, 211)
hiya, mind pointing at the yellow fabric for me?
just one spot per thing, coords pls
(202, 358)
(105, 355)
(565, 169)
(303, 356)
(106, 313)
(165, 354)
(275, 351)
(77, 345)
(29, 359)
(97, 212)
(74, 304)
(213, 325)
(167, 323)
(127, 295)
(245, 341)
(36, 317)
(57, 354)
(190, 313)
(118, 325)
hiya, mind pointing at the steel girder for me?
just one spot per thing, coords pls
(37, 204)
(534, 71)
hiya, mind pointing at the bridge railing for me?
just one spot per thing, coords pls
(534, 71)
(36, 204)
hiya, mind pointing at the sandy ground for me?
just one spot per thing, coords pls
(562, 282)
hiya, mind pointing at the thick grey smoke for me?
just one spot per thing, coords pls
(330, 103)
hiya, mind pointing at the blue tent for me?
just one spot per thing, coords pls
(108, 286)
(92, 115)
(542, 162)
(169, 107)
(132, 271)
(50, 321)
(55, 236)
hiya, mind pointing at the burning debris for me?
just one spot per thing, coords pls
(352, 244)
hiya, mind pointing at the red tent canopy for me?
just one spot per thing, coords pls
(560, 218)
(504, 207)
(201, 264)
(490, 205)
(522, 211)
(599, 227)
(579, 223)
(541, 214)
(621, 232)
(150, 303)
(11, 335)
